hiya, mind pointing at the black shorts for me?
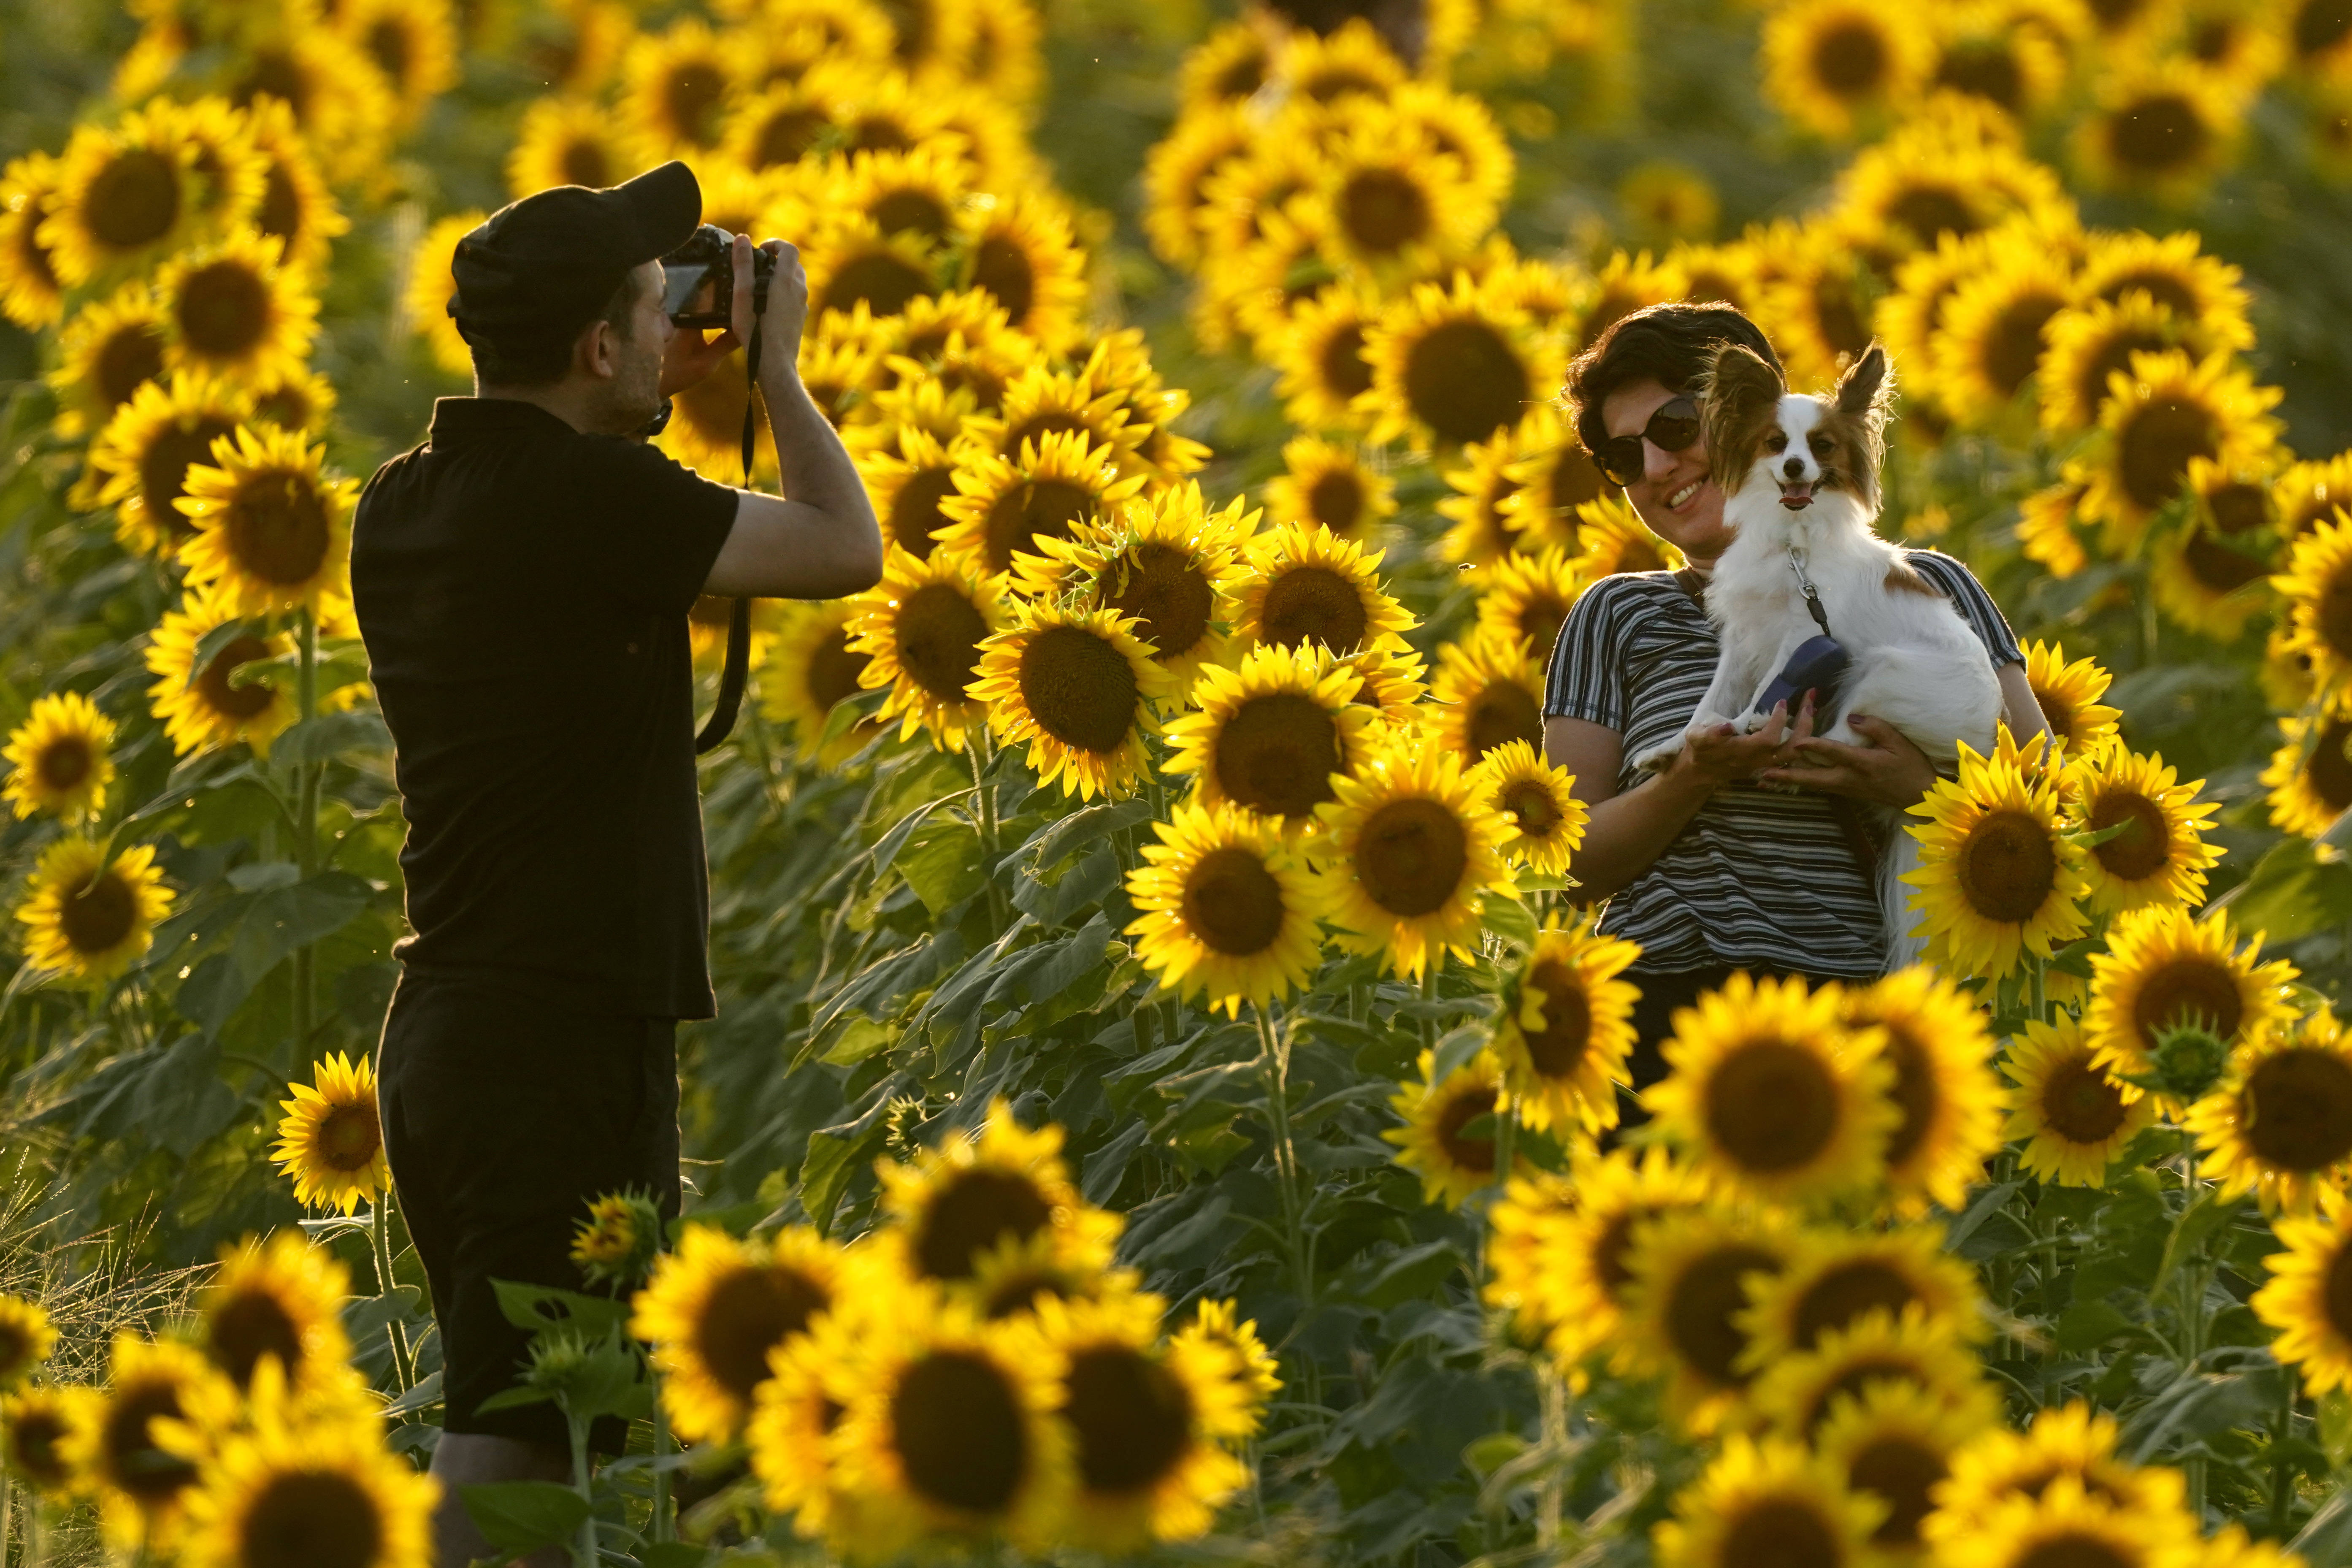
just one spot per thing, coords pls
(503, 1117)
(1663, 995)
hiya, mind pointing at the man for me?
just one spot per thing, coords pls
(523, 582)
(1707, 870)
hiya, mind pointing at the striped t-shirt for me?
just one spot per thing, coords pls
(1759, 878)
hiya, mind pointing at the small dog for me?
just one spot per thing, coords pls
(1799, 478)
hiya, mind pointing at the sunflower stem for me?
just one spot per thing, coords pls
(306, 831)
(2036, 968)
(1273, 1060)
(1552, 1395)
(1428, 1019)
(664, 1528)
(380, 1236)
(984, 795)
(584, 1553)
(2281, 1466)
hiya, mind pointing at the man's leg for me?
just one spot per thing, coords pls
(474, 1458)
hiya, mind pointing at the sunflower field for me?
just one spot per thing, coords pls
(1163, 1100)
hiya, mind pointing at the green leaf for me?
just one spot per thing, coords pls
(543, 1308)
(1095, 822)
(213, 644)
(1508, 917)
(675, 1554)
(942, 864)
(2087, 1325)
(860, 1038)
(2291, 893)
(518, 1516)
(2197, 1223)
(332, 734)
(1454, 1050)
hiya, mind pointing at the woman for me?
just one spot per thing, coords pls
(1705, 867)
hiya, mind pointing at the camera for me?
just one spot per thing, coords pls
(709, 253)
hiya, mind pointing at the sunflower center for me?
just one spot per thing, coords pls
(223, 309)
(1985, 70)
(276, 73)
(100, 915)
(1903, 1472)
(1233, 903)
(1080, 690)
(1858, 1376)
(348, 1137)
(877, 133)
(163, 470)
(131, 356)
(1276, 754)
(35, 1447)
(247, 1326)
(235, 702)
(278, 528)
(914, 516)
(1850, 60)
(132, 1460)
(2007, 867)
(1931, 212)
(1385, 210)
(1000, 265)
(2115, 354)
(134, 200)
(973, 1212)
(64, 762)
(2218, 568)
(2159, 134)
(2189, 990)
(1159, 585)
(311, 1519)
(1133, 1419)
(1342, 364)
(1844, 1294)
(1465, 381)
(1772, 1106)
(939, 639)
(1781, 1532)
(2143, 847)
(2333, 613)
(1613, 1247)
(1047, 507)
(1531, 808)
(584, 163)
(1314, 603)
(833, 667)
(2329, 772)
(957, 1428)
(2013, 344)
(281, 211)
(1915, 1094)
(749, 1312)
(2081, 1104)
(2299, 1108)
(1054, 422)
(2339, 1292)
(1504, 711)
(691, 99)
(1411, 857)
(1704, 1300)
(2320, 25)
(1015, 1293)
(33, 256)
(2071, 1551)
(786, 136)
(1467, 1154)
(882, 280)
(2157, 442)
(1843, 323)
(1558, 1048)
(1337, 501)
(910, 212)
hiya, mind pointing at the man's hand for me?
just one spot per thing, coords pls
(690, 357)
(780, 328)
(1889, 771)
(1723, 754)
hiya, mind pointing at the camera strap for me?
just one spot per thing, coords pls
(738, 666)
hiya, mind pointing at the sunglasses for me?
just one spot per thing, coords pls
(1671, 429)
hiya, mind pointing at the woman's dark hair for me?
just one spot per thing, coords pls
(540, 359)
(1668, 343)
(1403, 25)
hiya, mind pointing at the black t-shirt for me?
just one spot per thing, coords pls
(523, 590)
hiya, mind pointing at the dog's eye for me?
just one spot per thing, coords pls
(1821, 445)
(1776, 441)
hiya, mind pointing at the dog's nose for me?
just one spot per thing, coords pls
(1794, 467)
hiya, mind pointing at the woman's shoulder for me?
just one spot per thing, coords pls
(1621, 589)
(1946, 571)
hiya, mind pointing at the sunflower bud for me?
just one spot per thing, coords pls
(616, 1244)
(2187, 1061)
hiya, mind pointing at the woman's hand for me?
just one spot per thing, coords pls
(1723, 754)
(1889, 771)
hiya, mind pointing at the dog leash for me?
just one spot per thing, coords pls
(736, 671)
(1812, 595)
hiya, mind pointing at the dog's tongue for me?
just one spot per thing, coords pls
(1797, 496)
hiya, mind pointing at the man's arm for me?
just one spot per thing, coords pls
(820, 538)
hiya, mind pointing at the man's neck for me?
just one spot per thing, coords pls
(576, 406)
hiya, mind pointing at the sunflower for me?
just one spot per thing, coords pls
(811, 668)
(1910, 316)
(1179, 174)
(1080, 687)
(566, 141)
(1486, 527)
(950, 1431)
(1250, 1368)
(2066, 1524)
(1947, 1099)
(1490, 687)
(1611, 538)
(717, 1307)
(1667, 201)
(1225, 910)
(1993, 52)
(1578, 1289)
(853, 266)
(106, 352)
(295, 1496)
(213, 708)
(795, 1414)
(1454, 365)
(2308, 1299)
(2310, 776)
(232, 309)
(2307, 494)
(1994, 328)
(2161, 855)
(27, 1338)
(1834, 1279)
(1688, 1273)
(1566, 1026)
(1329, 486)
(1897, 1443)
(677, 89)
(2070, 1441)
(1774, 1093)
(1388, 200)
(430, 287)
(1820, 308)
(1523, 1230)
(1020, 250)
(59, 760)
(1437, 1142)
(31, 293)
(2075, 1119)
(1538, 803)
(1556, 479)
(1040, 402)
(2317, 584)
(414, 46)
(1800, 1393)
(90, 917)
(1320, 353)
(1273, 732)
(144, 453)
(332, 1140)
(2279, 1124)
(1011, 1280)
(1003, 505)
(2170, 412)
(141, 1481)
(280, 1301)
(2068, 695)
(1306, 587)
(1226, 68)
(921, 627)
(2162, 128)
(1527, 597)
(2287, 685)
(334, 96)
(2211, 575)
(1768, 1501)
(41, 1426)
(980, 1196)
(1998, 877)
(1166, 560)
(272, 532)
(297, 208)
(125, 197)
(1405, 853)
(1834, 66)
(2163, 969)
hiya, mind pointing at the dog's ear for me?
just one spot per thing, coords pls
(1735, 393)
(1866, 391)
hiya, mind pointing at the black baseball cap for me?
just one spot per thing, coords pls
(543, 266)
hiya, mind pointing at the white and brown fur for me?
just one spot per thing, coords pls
(1801, 473)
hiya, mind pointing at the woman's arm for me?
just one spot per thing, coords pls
(1890, 769)
(1628, 832)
